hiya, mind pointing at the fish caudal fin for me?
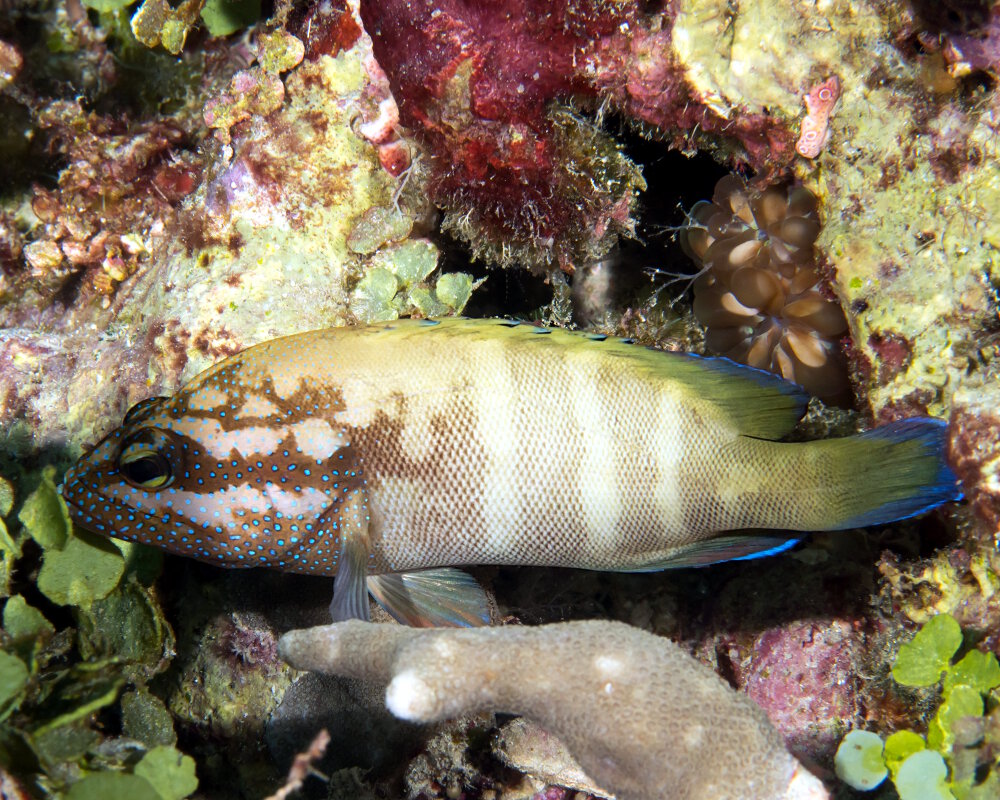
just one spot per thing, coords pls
(889, 473)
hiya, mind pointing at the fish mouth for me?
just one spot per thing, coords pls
(74, 491)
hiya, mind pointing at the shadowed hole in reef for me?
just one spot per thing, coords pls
(675, 182)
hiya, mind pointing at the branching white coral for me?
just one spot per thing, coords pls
(644, 719)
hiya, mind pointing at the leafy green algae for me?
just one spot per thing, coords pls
(78, 567)
(223, 17)
(922, 660)
(57, 678)
(397, 282)
(169, 772)
(959, 759)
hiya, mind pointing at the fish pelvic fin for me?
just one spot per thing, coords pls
(350, 594)
(890, 473)
(445, 597)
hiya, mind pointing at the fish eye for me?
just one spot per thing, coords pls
(142, 465)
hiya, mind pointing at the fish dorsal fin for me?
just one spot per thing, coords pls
(763, 405)
(759, 403)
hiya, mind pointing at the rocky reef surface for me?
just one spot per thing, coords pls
(182, 181)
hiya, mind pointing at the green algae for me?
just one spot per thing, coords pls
(976, 669)
(78, 567)
(145, 717)
(923, 776)
(112, 786)
(86, 569)
(13, 679)
(107, 6)
(378, 226)
(397, 283)
(45, 517)
(373, 296)
(24, 622)
(959, 757)
(900, 746)
(859, 760)
(158, 23)
(168, 771)
(10, 547)
(223, 17)
(56, 678)
(922, 660)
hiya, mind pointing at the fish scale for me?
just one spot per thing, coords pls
(390, 454)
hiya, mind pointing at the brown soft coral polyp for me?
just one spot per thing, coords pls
(759, 294)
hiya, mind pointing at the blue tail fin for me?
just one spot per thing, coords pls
(898, 471)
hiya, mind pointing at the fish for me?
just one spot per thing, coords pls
(390, 456)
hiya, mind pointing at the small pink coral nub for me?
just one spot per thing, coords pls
(759, 294)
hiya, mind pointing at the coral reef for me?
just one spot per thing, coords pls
(153, 219)
(760, 290)
(217, 241)
(526, 747)
(112, 204)
(258, 90)
(636, 717)
(521, 179)
(136, 247)
(975, 446)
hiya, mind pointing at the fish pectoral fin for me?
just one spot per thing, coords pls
(445, 597)
(733, 547)
(350, 594)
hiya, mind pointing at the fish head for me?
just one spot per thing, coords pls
(209, 475)
(117, 487)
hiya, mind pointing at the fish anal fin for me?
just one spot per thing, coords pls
(444, 597)
(733, 547)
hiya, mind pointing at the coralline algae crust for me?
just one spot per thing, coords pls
(770, 53)
(275, 222)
